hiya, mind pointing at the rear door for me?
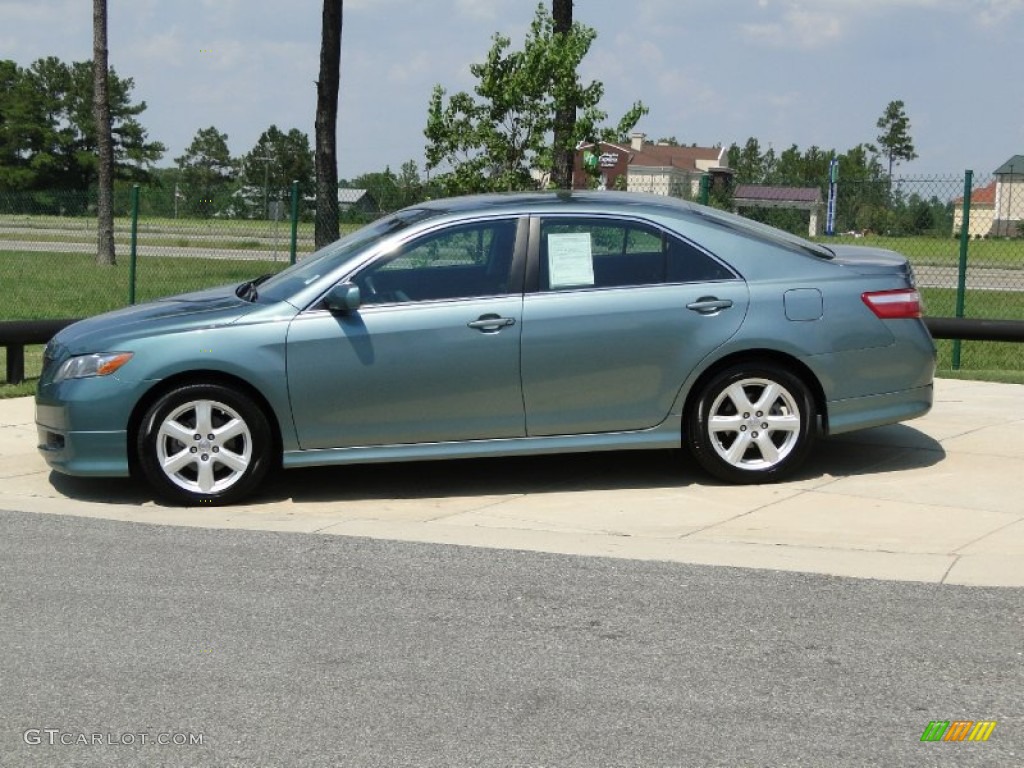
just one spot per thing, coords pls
(618, 314)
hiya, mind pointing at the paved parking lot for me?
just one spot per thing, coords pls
(934, 500)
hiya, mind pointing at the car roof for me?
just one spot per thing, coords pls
(592, 200)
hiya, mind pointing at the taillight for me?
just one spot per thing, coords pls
(891, 305)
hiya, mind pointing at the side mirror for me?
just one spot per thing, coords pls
(344, 297)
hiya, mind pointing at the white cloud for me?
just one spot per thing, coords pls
(996, 12)
(797, 28)
(17, 11)
(479, 9)
(409, 69)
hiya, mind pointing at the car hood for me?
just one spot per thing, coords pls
(201, 309)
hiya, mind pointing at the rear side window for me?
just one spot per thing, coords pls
(687, 264)
(581, 253)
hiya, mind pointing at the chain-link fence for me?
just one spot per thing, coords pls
(48, 248)
(964, 236)
(967, 250)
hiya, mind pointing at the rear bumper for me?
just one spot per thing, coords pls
(877, 410)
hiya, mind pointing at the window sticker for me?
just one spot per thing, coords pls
(570, 260)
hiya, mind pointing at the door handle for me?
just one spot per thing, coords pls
(709, 305)
(491, 323)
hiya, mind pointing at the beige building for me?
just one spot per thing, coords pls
(1008, 207)
(997, 209)
(982, 211)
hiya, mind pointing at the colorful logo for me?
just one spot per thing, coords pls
(958, 730)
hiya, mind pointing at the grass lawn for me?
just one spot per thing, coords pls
(57, 285)
(937, 251)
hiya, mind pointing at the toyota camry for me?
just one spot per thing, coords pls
(498, 325)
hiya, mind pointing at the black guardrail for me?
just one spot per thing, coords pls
(974, 329)
(15, 335)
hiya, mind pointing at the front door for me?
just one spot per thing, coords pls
(432, 354)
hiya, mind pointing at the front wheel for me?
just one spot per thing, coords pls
(204, 444)
(752, 423)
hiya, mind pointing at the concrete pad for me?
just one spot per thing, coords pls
(963, 480)
(16, 410)
(833, 521)
(15, 437)
(869, 565)
(1003, 542)
(1004, 440)
(13, 465)
(934, 500)
(985, 571)
(151, 514)
(659, 513)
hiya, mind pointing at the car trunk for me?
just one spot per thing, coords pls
(866, 260)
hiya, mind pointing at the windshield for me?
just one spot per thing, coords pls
(285, 283)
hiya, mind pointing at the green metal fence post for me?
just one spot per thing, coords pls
(295, 219)
(961, 277)
(132, 257)
(705, 188)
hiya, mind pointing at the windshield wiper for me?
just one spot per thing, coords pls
(248, 290)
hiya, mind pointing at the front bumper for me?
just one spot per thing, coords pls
(82, 425)
(87, 454)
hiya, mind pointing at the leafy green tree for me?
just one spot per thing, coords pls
(21, 120)
(270, 167)
(411, 189)
(207, 173)
(895, 138)
(863, 201)
(48, 137)
(501, 137)
(382, 186)
(863, 197)
(752, 164)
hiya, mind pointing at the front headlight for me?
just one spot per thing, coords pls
(97, 364)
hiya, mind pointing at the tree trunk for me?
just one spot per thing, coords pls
(326, 228)
(565, 116)
(104, 141)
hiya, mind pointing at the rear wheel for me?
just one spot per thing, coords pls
(752, 423)
(204, 444)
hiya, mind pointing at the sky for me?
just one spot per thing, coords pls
(804, 72)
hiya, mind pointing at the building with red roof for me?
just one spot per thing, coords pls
(660, 168)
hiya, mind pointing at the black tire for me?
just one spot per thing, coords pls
(204, 444)
(752, 423)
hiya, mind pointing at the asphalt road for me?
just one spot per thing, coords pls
(279, 649)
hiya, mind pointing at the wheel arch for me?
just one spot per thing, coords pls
(185, 378)
(782, 359)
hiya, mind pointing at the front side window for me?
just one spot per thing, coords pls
(463, 261)
(580, 253)
(287, 282)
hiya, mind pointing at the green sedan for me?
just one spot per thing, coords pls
(498, 325)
